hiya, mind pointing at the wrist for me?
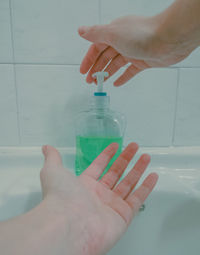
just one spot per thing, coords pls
(65, 222)
(44, 230)
(56, 228)
(177, 28)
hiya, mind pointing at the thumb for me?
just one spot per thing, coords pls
(95, 34)
(52, 156)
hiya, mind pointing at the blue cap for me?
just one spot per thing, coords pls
(100, 94)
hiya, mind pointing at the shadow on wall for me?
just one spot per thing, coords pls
(61, 121)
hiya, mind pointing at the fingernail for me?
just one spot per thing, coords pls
(117, 85)
(146, 158)
(82, 30)
(89, 81)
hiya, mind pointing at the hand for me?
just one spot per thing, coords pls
(140, 41)
(98, 211)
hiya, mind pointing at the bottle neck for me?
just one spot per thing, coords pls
(100, 103)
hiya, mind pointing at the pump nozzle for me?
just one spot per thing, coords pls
(100, 79)
(100, 98)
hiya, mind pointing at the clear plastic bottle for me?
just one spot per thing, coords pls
(96, 128)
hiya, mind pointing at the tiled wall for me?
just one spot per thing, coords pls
(41, 89)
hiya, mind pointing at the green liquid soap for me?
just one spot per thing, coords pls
(89, 147)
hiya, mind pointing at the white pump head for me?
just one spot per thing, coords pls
(100, 99)
(100, 80)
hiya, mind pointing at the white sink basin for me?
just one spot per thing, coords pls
(169, 223)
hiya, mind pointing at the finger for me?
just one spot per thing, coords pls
(124, 188)
(99, 164)
(91, 56)
(95, 34)
(140, 64)
(130, 72)
(118, 167)
(52, 156)
(116, 63)
(103, 59)
(136, 199)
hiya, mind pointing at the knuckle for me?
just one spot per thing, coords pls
(106, 182)
(111, 35)
(42, 173)
(117, 63)
(122, 61)
(94, 28)
(127, 182)
(132, 69)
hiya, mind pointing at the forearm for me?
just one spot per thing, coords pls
(40, 231)
(180, 24)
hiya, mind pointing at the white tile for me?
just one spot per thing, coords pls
(5, 28)
(111, 9)
(148, 101)
(187, 130)
(49, 99)
(46, 31)
(8, 111)
(193, 60)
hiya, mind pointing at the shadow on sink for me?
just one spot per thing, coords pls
(180, 230)
(13, 205)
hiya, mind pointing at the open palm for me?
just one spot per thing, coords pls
(102, 208)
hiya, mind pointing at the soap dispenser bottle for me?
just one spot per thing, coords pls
(97, 127)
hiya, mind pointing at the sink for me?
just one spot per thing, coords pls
(167, 224)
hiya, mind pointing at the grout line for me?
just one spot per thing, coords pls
(100, 20)
(156, 150)
(189, 67)
(176, 105)
(14, 69)
(69, 64)
(12, 38)
(46, 64)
